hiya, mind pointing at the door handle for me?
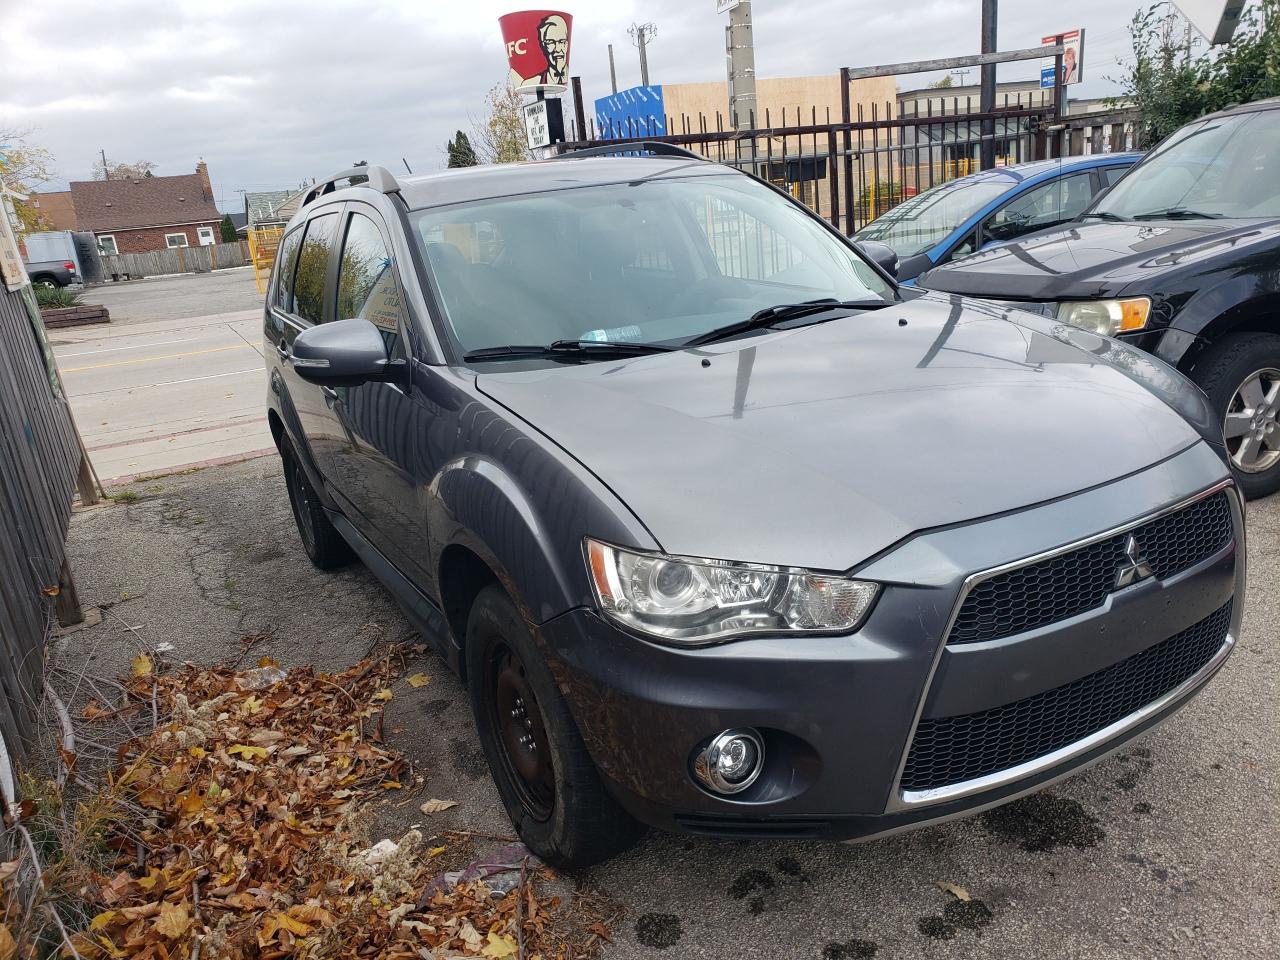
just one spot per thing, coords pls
(282, 351)
(330, 395)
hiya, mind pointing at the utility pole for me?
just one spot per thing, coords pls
(641, 35)
(613, 74)
(987, 99)
(106, 174)
(740, 54)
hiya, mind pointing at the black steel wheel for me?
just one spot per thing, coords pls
(544, 774)
(322, 543)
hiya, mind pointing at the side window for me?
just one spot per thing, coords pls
(1111, 174)
(1044, 206)
(282, 298)
(313, 261)
(367, 285)
(963, 248)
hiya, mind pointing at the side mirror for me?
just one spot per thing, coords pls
(912, 267)
(344, 353)
(881, 254)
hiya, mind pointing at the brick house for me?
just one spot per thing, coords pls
(148, 213)
(56, 207)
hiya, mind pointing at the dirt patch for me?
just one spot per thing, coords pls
(1043, 822)
(748, 882)
(851, 950)
(935, 928)
(658, 930)
(790, 867)
(468, 759)
(967, 914)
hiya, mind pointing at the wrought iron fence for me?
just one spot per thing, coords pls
(851, 172)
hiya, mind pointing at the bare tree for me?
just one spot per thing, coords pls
(122, 171)
(499, 136)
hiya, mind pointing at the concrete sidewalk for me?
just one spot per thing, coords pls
(1168, 849)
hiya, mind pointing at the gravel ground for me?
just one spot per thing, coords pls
(1167, 850)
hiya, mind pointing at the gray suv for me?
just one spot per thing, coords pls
(724, 532)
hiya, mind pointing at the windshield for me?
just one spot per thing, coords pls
(661, 260)
(928, 218)
(1229, 167)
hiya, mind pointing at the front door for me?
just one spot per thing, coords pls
(372, 462)
(206, 236)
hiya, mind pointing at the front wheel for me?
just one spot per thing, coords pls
(324, 544)
(1241, 376)
(544, 774)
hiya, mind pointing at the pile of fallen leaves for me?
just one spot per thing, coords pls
(248, 837)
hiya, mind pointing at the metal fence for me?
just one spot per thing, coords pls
(853, 171)
(40, 459)
(215, 256)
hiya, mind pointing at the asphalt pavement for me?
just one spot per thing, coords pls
(1168, 849)
(175, 380)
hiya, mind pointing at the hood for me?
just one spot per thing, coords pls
(1096, 258)
(821, 446)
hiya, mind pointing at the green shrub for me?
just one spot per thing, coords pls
(56, 297)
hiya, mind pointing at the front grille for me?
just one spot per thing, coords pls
(949, 750)
(1079, 580)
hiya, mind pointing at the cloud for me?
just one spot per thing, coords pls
(271, 93)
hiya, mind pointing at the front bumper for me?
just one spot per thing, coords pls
(839, 714)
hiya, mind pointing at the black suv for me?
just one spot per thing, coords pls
(1181, 258)
(723, 531)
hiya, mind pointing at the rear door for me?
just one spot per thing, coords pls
(301, 298)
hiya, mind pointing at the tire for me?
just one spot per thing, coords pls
(323, 544)
(558, 804)
(1241, 376)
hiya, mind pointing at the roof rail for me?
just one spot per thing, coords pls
(377, 178)
(658, 148)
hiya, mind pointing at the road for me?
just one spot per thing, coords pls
(1167, 850)
(175, 380)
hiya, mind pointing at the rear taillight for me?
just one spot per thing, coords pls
(69, 266)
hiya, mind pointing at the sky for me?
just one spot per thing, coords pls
(272, 92)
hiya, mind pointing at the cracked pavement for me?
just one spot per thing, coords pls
(1168, 849)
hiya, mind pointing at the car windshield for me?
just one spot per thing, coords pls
(659, 260)
(927, 219)
(1227, 167)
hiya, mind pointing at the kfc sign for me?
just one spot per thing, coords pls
(537, 43)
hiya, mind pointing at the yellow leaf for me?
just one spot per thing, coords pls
(252, 704)
(311, 913)
(419, 680)
(142, 665)
(198, 752)
(383, 695)
(436, 851)
(248, 751)
(191, 802)
(173, 920)
(102, 920)
(8, 948)
(500, 945)
(267, 662)
(154, 875)
(296, 927)
(437, 806)
(957, 891)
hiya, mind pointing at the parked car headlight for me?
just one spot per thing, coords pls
(687, 600)
(1107, 317)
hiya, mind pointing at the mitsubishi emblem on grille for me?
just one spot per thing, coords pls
(1135, 567)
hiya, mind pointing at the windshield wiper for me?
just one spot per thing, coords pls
(1103, 215)
(578, 349)
(1177, 213)
(783, 311)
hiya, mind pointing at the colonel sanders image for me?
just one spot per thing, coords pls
(553, 38)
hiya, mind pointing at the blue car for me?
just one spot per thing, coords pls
(962, 216)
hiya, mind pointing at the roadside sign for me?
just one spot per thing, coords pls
(1216, 20)
(1072, 58)
(543, 123)
(724, 6)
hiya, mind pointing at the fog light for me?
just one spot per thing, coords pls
(730, 762)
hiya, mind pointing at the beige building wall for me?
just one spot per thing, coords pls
(810, 99)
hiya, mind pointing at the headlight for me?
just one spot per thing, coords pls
(1107, 317)
(687, 600)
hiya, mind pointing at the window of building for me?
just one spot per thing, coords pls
(175, 240)
(107, 245)
(313, 261)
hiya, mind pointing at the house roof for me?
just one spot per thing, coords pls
(104, 205)
(265, 206)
